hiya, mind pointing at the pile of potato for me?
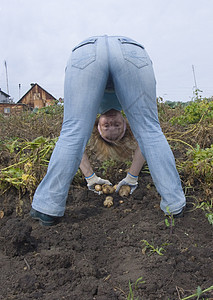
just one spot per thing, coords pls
(124, 191)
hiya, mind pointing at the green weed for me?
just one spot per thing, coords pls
(198, 168)
(107, 165)
(208, 208)
(169, 220)
(29, 162)
(198, 293)
(134, 286)
(152, 248)
(200, 163)
(210, 217)
(194, 112)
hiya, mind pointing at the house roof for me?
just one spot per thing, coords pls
(11, 104)
(32, 88)
(5, 94)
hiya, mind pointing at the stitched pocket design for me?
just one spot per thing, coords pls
(134, 52)
(84, 54)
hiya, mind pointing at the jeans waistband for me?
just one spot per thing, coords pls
(109, 36)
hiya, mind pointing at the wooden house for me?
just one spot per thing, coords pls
(7, 106)
(4, 98)
(12, 108)
(37, 97)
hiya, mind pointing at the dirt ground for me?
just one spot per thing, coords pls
(97, 253)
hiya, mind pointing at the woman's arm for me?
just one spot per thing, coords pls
(131, 178)
(136, 166)
(90, 176)
(85, 166)
(137, 162)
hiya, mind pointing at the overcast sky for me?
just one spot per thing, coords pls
(37, 36)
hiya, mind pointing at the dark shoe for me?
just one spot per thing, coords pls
(44, 219)
(179, 215)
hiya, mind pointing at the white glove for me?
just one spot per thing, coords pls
(93, 180)
(130, 180)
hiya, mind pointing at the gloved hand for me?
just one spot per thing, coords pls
(130, 180)
(93, 180)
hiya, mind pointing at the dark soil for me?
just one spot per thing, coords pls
(96, 252)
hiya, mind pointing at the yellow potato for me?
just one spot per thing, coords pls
(98, 187)
(108, 202)
(1, 214)
(107, 189)
(115, 187)
(124, 191)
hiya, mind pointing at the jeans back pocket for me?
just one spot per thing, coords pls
(84, 54)
(134, 52)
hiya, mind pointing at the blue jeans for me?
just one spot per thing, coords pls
(86, 76)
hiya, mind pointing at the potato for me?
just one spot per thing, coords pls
(115, 187)
(108, 202)
(107, 189)
(124, 191)
(98, 187)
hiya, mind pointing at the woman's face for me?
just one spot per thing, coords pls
(111, 124)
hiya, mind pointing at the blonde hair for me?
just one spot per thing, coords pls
(121, 151)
